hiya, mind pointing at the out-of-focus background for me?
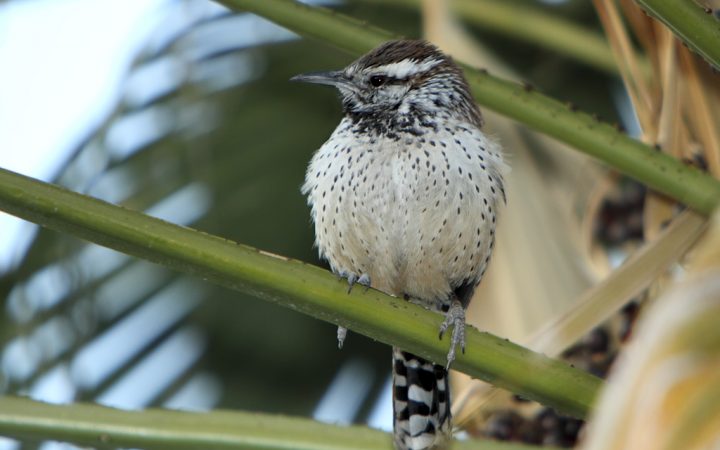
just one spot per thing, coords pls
(183, 110)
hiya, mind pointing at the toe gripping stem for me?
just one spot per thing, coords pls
(352, 279)
(455, 317)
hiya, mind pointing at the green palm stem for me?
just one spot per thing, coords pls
(299, 286)
(105, 428)
(692, 23)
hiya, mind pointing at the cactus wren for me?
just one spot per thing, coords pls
(404, 198)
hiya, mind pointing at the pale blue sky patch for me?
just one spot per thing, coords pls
(62, 64)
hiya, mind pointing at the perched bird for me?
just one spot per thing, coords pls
(404, 198)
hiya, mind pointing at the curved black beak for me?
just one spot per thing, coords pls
(334, 78)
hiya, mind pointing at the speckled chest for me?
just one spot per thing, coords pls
(414, 211)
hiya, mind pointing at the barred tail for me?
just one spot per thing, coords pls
(421, 403)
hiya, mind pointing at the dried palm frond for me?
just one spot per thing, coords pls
(665, 390)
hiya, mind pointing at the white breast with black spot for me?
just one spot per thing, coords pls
(416, 213)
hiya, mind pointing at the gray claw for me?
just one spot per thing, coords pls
(352, 278)
(341, 334)
(455, 317)
(363, 280)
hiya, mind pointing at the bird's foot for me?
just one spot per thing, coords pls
(455, 317)
(341, 334)
(352, 279)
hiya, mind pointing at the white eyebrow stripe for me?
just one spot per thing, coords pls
(407, 67)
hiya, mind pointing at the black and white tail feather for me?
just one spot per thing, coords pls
(421, 403)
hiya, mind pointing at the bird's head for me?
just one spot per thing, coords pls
(400, 78)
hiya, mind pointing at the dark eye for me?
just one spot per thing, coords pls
(378, 80)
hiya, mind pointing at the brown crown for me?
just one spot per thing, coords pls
(396, 51)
